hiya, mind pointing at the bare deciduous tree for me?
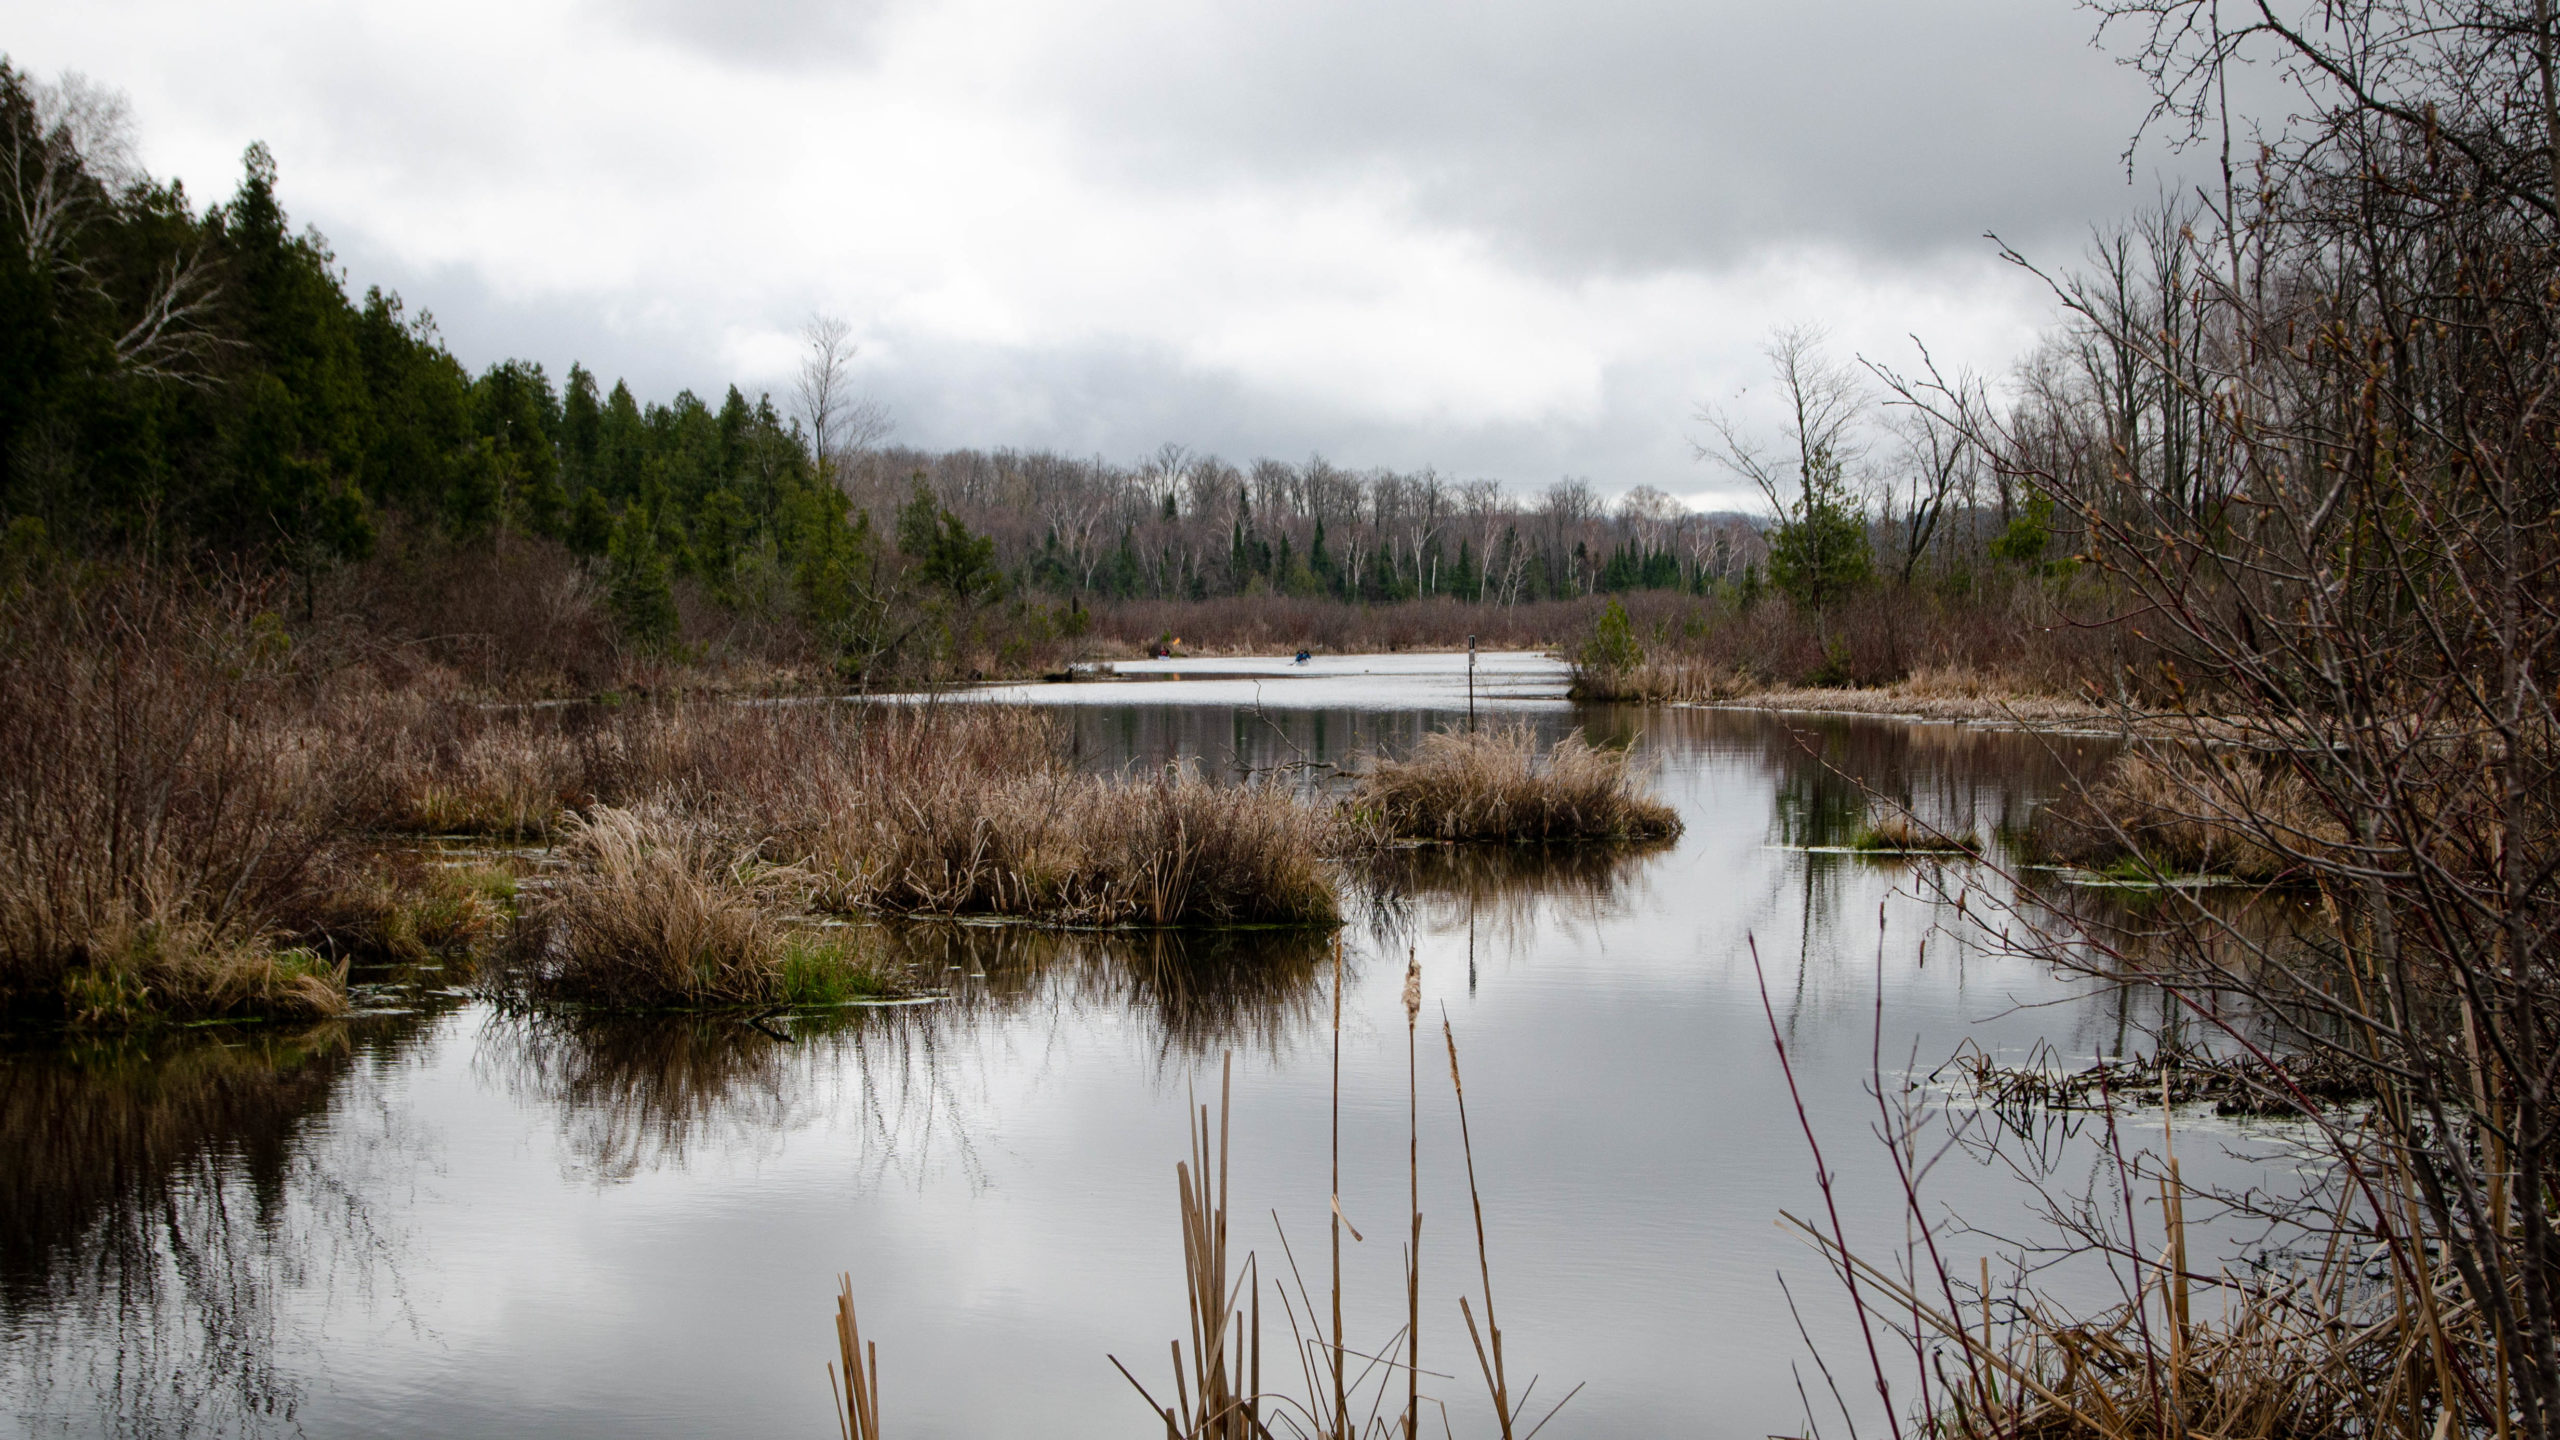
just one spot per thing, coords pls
(840, 422)
(1825, 403)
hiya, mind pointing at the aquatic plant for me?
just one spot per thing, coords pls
(650, 913)
(1170, 849)
(1498, 784)
(1891, 829)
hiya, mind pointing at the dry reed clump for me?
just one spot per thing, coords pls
(509, 780)
(971, 809)
(896, 808)
(654, 912)
(1889, 829)
(1085, 850)
(2321, 1353)
(2167, 811)
(1663, 681)
(1495, 785)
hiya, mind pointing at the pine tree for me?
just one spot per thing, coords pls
(639, 585)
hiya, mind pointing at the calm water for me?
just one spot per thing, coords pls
(441, 1220)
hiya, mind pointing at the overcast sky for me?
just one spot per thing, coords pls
(1508, 239)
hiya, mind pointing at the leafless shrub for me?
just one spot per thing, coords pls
(163, 801)
(2305, 429)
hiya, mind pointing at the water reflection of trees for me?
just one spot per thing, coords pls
(1827, 773)
(1965, 780)
(161, 1209)
(1198, 992)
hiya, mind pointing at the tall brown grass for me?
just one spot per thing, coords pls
(652, 913)
(1501, 785)
(892, 808)
(1173, 849)
(1342, 1391)
(2173, 811)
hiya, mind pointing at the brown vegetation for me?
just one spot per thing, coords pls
(1046, 844)
(2045, 647)
(892, 808)
(1496, 785)
(202, 813)
(650, 913)
(189, 795)
(2201, 811)
(157, 823)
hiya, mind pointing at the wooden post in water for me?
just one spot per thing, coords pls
(1471, 684)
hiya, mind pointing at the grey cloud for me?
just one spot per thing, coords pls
(1639, 135)
(1579, 139)
(1121, 401)
(1112, 399)
(777, 34)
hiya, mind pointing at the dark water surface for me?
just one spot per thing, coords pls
(444, 1220)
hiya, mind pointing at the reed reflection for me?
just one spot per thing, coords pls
(638, 1093)
(1198, 992)
(635, 1093)
(169, 1204)
(1502, 895)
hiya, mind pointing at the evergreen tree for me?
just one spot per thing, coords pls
(1818, 554)
(590, 528)
(638, 584)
